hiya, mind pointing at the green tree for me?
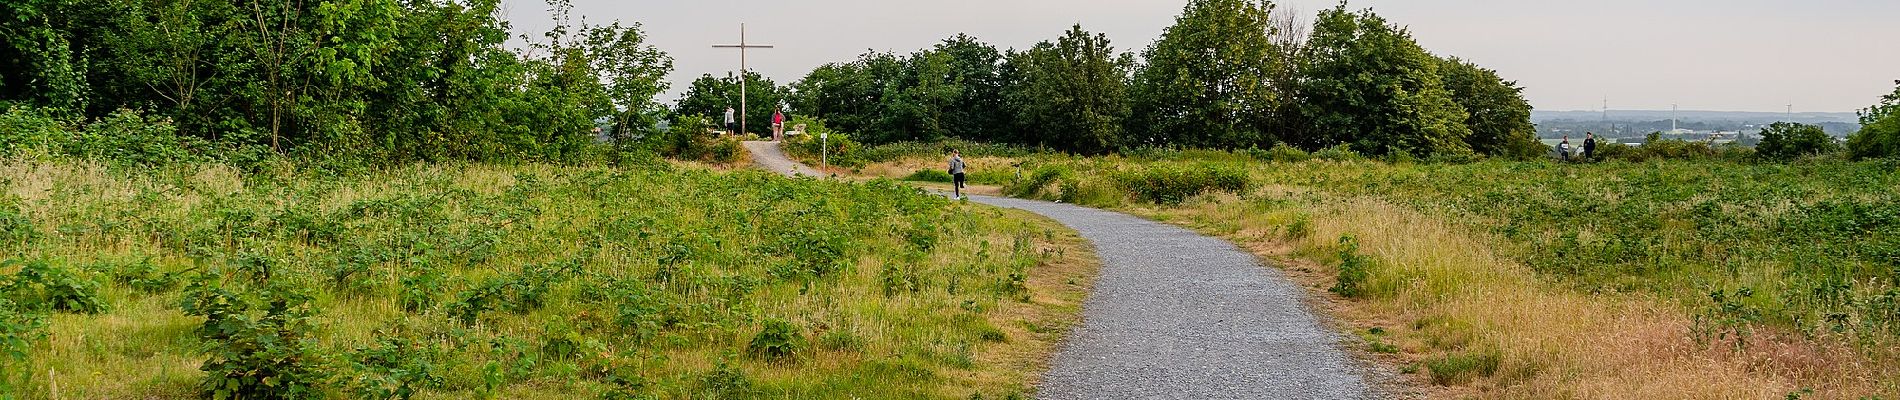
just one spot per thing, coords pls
(1879, 134)
(1499, 116)
(918, 107)
(1783, 141)
(1369, 84)
(977, 113)
(708, 97)
(1206, 82)
(1071, 94)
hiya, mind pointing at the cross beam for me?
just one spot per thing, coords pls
(742, 46)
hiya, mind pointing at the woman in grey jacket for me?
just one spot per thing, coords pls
(956, 172)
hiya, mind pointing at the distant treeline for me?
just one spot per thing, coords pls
(1231, 74)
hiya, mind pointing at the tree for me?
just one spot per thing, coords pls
(918, 107)
(1879, 134)
(633, 72)
(708, 97)
(1071, 94)
(1783, 141)
(977, 113)
(1367, 83)
(1499, 116)
(1206, 83)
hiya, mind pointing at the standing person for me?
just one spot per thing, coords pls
(956, 172)
(1564, 148)
(778, 124)
(732, 125)
(1589, 146)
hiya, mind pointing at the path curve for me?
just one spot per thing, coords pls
(1178, 315)
(769, 156)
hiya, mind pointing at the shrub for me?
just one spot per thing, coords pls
(778, 340)
(1038, 182)
(1172, 185)
(1284, 153)
(128, 137)
(15, 227)
(1354, 269)
(39, 285)
(1341, 152)
(843, 152)
(1785, 141)
(256, 342)
(1462, 368)
(31, 129)
(19, 328)
(930, 175)
(1879, 134)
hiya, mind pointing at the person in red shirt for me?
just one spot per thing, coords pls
(778, 124)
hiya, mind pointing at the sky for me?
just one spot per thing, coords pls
(1729, 55)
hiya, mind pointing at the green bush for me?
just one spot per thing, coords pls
(130, 137)
(777, 340)
(19, 328)
(31, 129)
(1285, 153)
(1037, 185)
(1783, 141)
(15, 227)
(1354, 269)
(1879, 134)
(690, 138)
(256, 341)
(1341, 152)
(1174, 184)
(1462, 368)
(930, 175)
(40, 285)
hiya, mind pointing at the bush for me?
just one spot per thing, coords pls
(930, 175)
(778, 340)
(1172, 185)
(41, 286)
(1354, 269)
(256, 342)
(1341, 152)
(128, 137)
(1037, 185)
(1785, 141)
(843, 151)
(31, 129)
(1459, 369)
(19, 328)
(691, 138)
(1879, 134)
(15, 227)
(1284, 153)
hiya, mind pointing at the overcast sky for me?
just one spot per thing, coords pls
(1731, 55)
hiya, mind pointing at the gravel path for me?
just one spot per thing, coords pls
(769, 156)
(1178, 315)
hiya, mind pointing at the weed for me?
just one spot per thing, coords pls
(1354, 269)
(39, 285)
(777, 340)
(1462, 368)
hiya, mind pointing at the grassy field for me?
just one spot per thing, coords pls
(533, 281)
(1544, 280)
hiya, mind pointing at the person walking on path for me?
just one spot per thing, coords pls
(1589, 146)
(732, 125)
(956, 172)
(778, 124)
(1563, 148)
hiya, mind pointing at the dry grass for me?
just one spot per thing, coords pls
(1442, 290)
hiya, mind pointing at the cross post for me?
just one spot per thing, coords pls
(742, 46)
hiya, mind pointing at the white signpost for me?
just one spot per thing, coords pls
(824, 156)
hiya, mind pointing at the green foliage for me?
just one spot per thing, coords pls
(19, 328)
(777, 340)
(1783, 141)
(1369, 84)
(15, 228)
(395, 368)
(844, 151)
(40, 285)
(1498, 115)
(257, 341)
(1281, 152)
(1461, 368)
(1070, 92)
(377, 80)
(1038, 183)
(1879, 134)
(1340, 152)
(1207, 79)
(31, 129)
(930, 175)
(692, 138)
(1174, 184)
(708, 98)
(1354, 269)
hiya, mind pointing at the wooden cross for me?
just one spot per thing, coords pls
(742, 46)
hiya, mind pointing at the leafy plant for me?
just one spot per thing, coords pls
(257, 342)
(40, 285)
(777, 340)
(1354, 269)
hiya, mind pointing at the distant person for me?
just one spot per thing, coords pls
(956, 173)
(778, 124)
(1589, 146)
(732, 125)
(1563, 148)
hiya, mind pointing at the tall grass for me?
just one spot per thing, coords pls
(532, 281)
